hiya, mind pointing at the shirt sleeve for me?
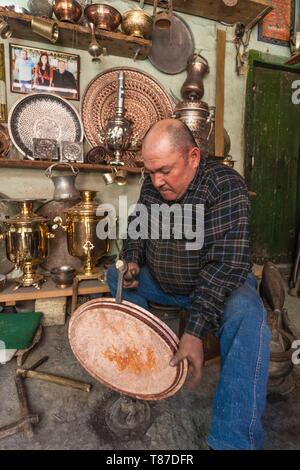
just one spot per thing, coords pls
(227, 259)
(133, 250)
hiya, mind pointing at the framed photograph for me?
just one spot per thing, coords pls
(39, 70)
(3, 98)
(276, 26)
(45, 149)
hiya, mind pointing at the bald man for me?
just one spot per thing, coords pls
(212, 280)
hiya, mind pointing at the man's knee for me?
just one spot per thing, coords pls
(244, 302)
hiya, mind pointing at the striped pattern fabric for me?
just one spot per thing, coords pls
(207, 274)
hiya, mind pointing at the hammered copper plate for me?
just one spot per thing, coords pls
(44, 116)
(171, 48)
(127, 349)
(146, 102)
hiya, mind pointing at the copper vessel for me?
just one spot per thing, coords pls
(103, 16)
(195, 114)
(137, 23)
(67, 10)
(197, 68)
(27, 237)
(81, 226)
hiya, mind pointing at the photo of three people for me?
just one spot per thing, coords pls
(35, 70)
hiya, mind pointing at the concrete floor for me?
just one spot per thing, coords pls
(71, 419)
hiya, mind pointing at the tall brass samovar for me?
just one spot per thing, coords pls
(81, 227)
(27, 236)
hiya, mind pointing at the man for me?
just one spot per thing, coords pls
(23, 68)
(212, 280)
(64, 81)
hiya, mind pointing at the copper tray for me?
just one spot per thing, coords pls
(146, 102)
(171, 48)
(127, 349)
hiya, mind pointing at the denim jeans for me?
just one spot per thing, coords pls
(244, 336)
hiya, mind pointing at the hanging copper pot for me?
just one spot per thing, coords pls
(197, 68)
(67, 10)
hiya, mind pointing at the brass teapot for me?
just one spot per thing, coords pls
(27, 243)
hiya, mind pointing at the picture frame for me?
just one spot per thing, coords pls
(3, 95)
(275, 27)
(38, 70)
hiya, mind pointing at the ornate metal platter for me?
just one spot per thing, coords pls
(127, 349)
(44, 116)
(172, 47)
(146, 102)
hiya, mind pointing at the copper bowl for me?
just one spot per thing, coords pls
(67, 10)
(137, 23)
(103, 16)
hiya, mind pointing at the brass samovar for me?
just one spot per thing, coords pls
(81, 227)
(27, 237)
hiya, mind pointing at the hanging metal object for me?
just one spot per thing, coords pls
(163, 19)
(241, 42)
(46, 28)
(94, 48)
(197, 68)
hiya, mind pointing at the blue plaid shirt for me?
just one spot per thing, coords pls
(209, 274)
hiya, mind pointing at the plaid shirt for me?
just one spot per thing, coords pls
(209, 274)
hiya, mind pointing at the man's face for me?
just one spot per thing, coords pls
(23, 54)
(170, 172)
(61, 66)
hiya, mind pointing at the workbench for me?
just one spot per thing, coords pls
(48, 291)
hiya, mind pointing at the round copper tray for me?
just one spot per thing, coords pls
(146, 102)
(127, 349)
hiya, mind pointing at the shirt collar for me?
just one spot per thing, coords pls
(193, 185)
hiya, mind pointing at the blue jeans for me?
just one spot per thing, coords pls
(244, 336)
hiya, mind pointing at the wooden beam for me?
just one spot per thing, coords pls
(220, 82)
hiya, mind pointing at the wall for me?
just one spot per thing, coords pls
(25, 183)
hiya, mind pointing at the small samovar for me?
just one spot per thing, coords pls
(27, 243)
(81, 227)
(117, 135)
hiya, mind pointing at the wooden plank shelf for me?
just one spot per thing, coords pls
(79, 37)
(49, 291)
(42, 165)
(248, 12)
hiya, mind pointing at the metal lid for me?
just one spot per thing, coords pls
(193, 105)
(26, 214)
(127, 349)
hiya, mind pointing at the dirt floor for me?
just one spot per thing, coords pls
(71, 419)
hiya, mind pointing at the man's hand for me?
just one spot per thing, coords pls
(130, 281)
(191, 348)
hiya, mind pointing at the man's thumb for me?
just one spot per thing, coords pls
(176, 358)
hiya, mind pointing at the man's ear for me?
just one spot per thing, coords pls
(195, 156)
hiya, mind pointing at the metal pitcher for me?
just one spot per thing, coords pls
(197, 68)
(64, 185)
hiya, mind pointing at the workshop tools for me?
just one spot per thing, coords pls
(18, 426)
(56, 379)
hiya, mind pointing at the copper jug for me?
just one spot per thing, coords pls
(197, 68)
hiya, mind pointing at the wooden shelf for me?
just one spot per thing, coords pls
(248, 12)
(42, 165)
(79, 37)
(294, 59)
(49, 291)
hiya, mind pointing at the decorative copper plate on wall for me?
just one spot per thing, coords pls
(146, 102)
(127, 349)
